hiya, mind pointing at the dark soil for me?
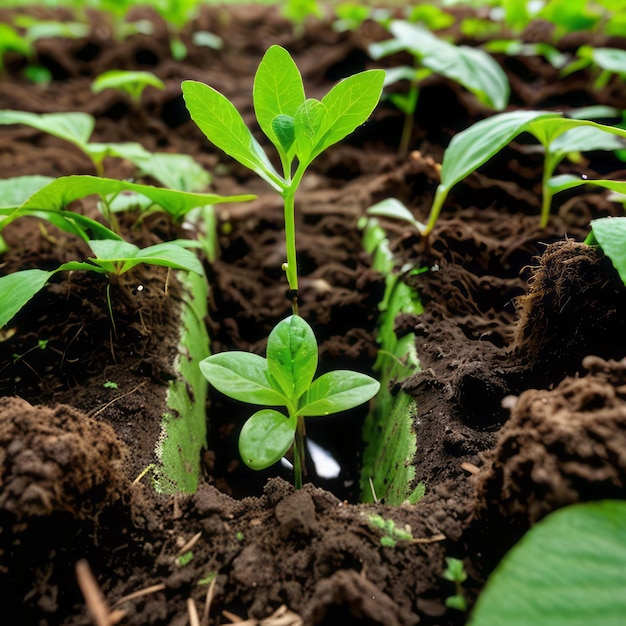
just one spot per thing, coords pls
(521, 392)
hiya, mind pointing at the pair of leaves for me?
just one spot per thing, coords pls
(296, 126)
(284, 378)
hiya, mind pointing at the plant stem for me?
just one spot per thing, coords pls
(298, 453)
(291, 269)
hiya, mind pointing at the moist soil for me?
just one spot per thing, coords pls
(521, 394)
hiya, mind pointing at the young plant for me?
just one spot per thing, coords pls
(558, 136)
(129, 82)
(391, 533)
(455, 572)
(111, 255)
(608, 62)
(472, 68)
(300, 129)
(284, 378)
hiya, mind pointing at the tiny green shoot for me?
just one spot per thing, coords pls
(109, 384)
(184, 559)
(455, 572)
(392, 534)
(132, 83)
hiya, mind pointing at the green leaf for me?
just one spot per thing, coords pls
(17, 289)
(568, 570)
(14, 191)
(59, 193)
(338, 391)
(292, 356)
(610, 233)
(131, 82)
(73, 127)
(20, 287)
(222, 124)
(474, 146)
(277, 91)
(392, 208)
(168, 254)
(265, 438)
(348, 105)
(242, 376)
(611, 59)
(585, 139)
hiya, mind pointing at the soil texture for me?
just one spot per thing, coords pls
(521, 393)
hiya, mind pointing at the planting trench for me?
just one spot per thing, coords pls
(510, 312)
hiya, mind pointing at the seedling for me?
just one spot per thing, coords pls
(112, 256)
(472, 68)
(300, 129)
(559, 136)
(455, 572)
(131, 83)
(608, 62)
(392, 534)
(284, 378)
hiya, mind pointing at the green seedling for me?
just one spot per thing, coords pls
(109, 384)
(12, 41)
(132, 83)
(391, 533)
(284, 378)
(559, 137)
(516, 48)
(472, 68)
(455, 572)
(178, 171)
(112, 256)
(300, 129)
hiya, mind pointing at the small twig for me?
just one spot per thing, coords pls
(373, 490)
(94, 599)
(433, 539)
(470, 467)
(190, 544)
(108, 404)
(194, 620)
(140, 593)
(210, 594)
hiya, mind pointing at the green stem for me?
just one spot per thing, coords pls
(550, 161)
(291, 268)
(298, 453)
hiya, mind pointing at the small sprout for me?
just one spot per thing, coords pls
(184, 559)
(455, 572)
(239, 536)
(42, 344)
(132, 83)
(208, 579)
(109, 384)
(392, 534)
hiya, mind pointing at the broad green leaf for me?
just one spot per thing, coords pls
(548, 130)
(265, 438)
(310, 122)
(568, 570)
(277, 90)
(242, 376)
(611, 59)
(222, 124)
(336, 391)
(476, 70)
(59, 193)
(348, 105)
(292, 356)
(469, 149)
(73, 127)
(14, 191)
(568, 181)
(610, 233)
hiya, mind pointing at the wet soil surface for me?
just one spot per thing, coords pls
(521, 393)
